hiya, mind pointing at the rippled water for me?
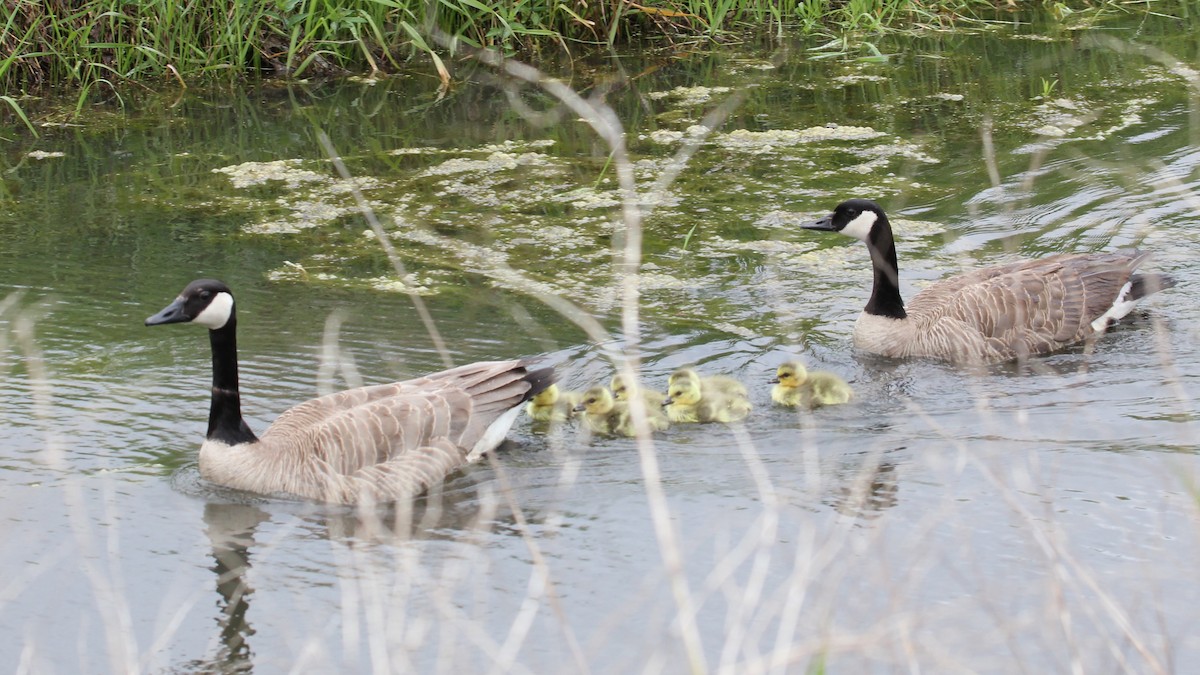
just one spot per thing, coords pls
(1038, 517)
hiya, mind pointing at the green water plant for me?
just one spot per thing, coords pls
(98, 48)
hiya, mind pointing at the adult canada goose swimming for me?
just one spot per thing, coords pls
(379, 443)
(602, 414)
(552, 405)
(797, 386)
(992, 314)
(717, 398)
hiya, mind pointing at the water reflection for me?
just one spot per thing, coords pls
(233, 531)
(869, 491)
(230, 529)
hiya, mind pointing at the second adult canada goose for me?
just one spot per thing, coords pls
(992, 314)
(379, 443)
(717, 398)
(797, 386)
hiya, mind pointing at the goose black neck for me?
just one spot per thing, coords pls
(225, 421)
(885, 292)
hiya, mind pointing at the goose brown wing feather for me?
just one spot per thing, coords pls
(1029, 307)
(400, 423)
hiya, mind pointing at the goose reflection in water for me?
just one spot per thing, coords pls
(448, 512)
(870, 492)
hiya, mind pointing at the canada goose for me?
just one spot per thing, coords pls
(796, 386)
(992, 314)
(603, 414)
(621, 391)
(379, 443)
(552, 405)
(717, 398)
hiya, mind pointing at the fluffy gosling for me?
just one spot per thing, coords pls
(623, 390)
(691, 398)
(552, 405)
(602, 414)
(796, 386)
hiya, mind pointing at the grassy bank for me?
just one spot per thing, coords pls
(103, 47)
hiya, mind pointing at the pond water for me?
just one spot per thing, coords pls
(1040, 518)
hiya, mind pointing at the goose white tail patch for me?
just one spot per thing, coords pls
(217, 314)
(1120, 308)
(860, 227)
(495, 434)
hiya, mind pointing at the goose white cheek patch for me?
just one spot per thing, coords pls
(1119, 309)
(216, 315)
(860, 227)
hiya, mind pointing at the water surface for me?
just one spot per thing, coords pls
(1038, 517)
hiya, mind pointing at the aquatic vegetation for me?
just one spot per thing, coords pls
(286, 171)
(689, 96)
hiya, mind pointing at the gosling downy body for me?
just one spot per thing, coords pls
(552, 405)
(379, 443)
(994, 314)
(717, 398)
(796, 386)
(602, 414)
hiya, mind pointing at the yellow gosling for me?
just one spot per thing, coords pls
(691, 398)
(602, 414)
(553, 405)
(796, 386)
(622, 389)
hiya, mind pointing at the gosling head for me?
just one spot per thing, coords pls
(683, 391)
(791, 374)
(684, 374)
(853, 218)
(547, 396)
(596, 401)
(621, 389)
(206, 302)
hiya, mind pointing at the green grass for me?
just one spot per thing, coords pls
(100, 48)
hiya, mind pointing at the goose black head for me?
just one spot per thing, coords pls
(207, 302)
(853, 217)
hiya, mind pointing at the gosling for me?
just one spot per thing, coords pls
(553, 406)
(623, 390)
(602, 414)
(691, 398)
(796, 386)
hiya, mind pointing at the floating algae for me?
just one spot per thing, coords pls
(287, 171)
(763, 142)
(689, 96)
